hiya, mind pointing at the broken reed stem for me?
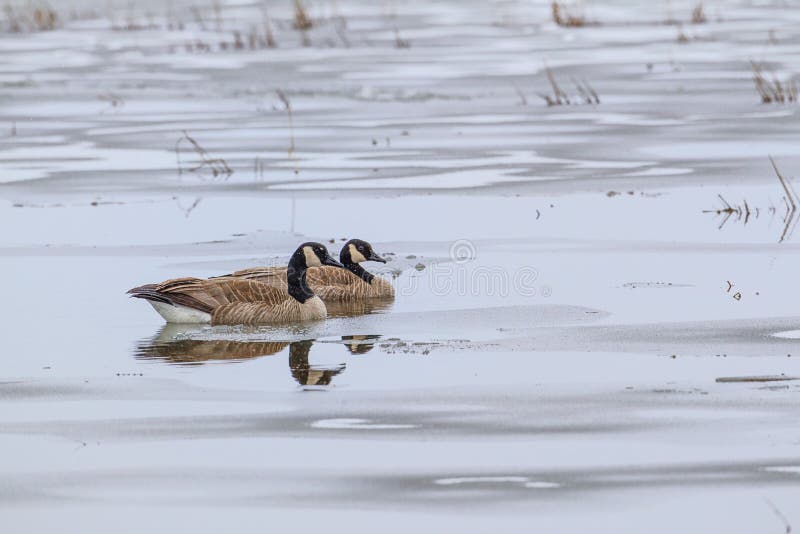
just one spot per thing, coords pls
(218, 166)
(302, 21)
(187, 211)
(592, 92)
(522, 100)
(268, 35)
(787, 186)
(728, 207)
(218, 15)
(791, 201)
(562, 17)
(773, 91)
(786, 525)
(790, 219)
(33, 17)
(560, 96)
(698, 14)
(258, 168)
(399, 42)
(282, 96)
(198, 18)
(586, 92)
(340, 27)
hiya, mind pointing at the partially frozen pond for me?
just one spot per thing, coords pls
(595, 326)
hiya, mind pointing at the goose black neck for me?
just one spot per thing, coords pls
(347, 260)
(296, 279)
(359, 271)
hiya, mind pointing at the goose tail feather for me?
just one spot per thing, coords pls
(154, 293)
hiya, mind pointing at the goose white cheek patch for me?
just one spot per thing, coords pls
(355, 255)
(311, 259)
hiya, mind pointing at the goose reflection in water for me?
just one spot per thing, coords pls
(360, 344)
(354, 308)
(169, 347)
(306, 374)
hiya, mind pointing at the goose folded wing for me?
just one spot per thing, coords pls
(261, 274)
(331, 276)
(208, 295)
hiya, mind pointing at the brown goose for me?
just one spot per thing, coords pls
(333, 284)
(240, 301)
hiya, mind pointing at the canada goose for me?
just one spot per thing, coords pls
(330, 283)
(240, 301)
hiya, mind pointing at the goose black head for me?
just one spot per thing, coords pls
(356, 250)
(307, 255)
(313, 254)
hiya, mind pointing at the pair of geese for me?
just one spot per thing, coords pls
(272, 295)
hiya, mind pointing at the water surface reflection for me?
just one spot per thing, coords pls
(174, 345)
(356, 308)
(306, 374)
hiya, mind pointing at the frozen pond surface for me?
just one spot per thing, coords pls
(576, 344)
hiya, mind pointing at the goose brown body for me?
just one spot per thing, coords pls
(231, 301)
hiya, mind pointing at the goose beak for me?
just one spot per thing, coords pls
(330, 261)
(375, 257)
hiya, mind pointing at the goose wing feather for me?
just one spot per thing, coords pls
(261, 274)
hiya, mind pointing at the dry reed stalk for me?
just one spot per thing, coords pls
(586, 93)
(302, 21)
(340, 26)
(198, 18)
(218, 166)
(285, 100)
(559, 96)
(744, 211)
(773, 91)
(33, 17)
(565, 18)
(269, 37)
(218, 15)
(399, 42)
(698, 14)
